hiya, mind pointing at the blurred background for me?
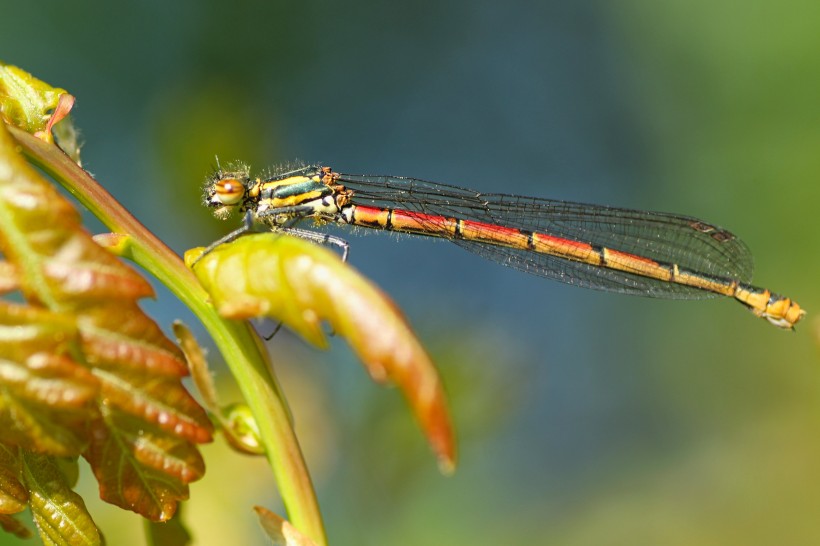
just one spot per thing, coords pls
(584, 418)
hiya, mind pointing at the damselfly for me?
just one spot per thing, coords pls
(618, 250)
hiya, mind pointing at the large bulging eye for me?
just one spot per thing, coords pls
(229, 191)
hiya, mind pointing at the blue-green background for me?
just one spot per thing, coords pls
(584, 418)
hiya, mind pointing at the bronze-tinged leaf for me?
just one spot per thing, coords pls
(141, 467)
(140, 371)
(135, 368)
(57, 262)
(25, 330)
(165, 404)
(302, 285)
(46, 398)
(13, 494)
(279, 530)
(37, 414)
(143, 452)
(94, 280)
(132, 341)
(59, 513)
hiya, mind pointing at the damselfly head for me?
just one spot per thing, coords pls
(226, 191)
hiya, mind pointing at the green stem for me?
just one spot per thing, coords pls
(237, 342)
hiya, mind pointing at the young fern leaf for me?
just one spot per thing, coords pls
(82, 369)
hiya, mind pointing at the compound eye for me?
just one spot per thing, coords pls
(229, 191)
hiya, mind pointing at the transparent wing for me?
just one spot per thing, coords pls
(688, 242)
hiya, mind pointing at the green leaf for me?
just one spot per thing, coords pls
(36, 107)
(59, 512)
(302, 285)
(25, 101)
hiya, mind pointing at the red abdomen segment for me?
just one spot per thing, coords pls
(780, 311)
